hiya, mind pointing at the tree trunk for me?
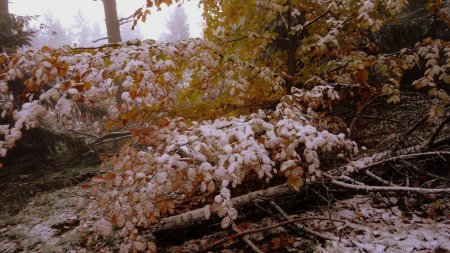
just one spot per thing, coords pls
(111, 20)
(5, 27)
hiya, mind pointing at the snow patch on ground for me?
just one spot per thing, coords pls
(35, 228)
(368, 228)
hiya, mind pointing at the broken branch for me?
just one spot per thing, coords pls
(368, 188)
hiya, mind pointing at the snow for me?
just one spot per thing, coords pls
(372, 227)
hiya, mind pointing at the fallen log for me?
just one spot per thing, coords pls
(197, 217)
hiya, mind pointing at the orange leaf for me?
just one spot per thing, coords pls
(104, 157)
(362, 76)
(46, 49)
(3, 59)
(110, 176)
(114, 220)
(163, 121)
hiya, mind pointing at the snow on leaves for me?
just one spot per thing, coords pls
(213, 157)
(130, 77)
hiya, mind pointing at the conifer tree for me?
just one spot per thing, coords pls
(177, 25)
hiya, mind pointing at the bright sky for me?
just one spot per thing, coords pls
(65, 10)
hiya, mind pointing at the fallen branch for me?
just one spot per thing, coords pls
(419, 123)
(103, 137)
(85, 134)
(412, 166)
(400, 157)
(438, 130)
(197, 216)
(377, 178)
(258, 230)
(246, 239)
(112, 135)
(369, 188)
(111, 140)
(358, 113)
(301, 227)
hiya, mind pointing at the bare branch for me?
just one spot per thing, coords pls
(253, 231)
(301, 227)
(112, 135)
(125, 19)
(414, 127)
(83, 133)
(369, 188)
(377, 178)
(438, 131)
(97, 40)
(246, 239)
(401, 157)
(358, 113)
(111, 140)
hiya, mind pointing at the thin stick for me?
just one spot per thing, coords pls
(379, 179)
(111, 140)
(438, 131)
(252, 231)
(412, 166)
(301, 227)
(246, 239)
(369, 188)
(358, 113)
(413, 128)
(83, 133)
(112, 135)
(401, 157)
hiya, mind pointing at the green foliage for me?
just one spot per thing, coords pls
(15, 33)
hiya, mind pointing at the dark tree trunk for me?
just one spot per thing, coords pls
(111, 20)
(5, 27)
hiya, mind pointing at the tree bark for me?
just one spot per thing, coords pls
(111, 20)
(197, 217)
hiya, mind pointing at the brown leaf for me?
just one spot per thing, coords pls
(276, 243)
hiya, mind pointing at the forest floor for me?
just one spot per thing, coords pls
(47, 219)
(40, 209)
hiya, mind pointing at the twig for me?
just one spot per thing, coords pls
(438, 131)
(100, 39)
(426, 173)
(301, 227)
(83, 133)
(377, 178)
(111, 140)
(369, 188)
(100, 139)
(112, 135)
(309, 23)
(352, 180)
(246, 239)
(126, 18)
(401, 157)
(252, 231)
(358, 113)
(413, 128)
